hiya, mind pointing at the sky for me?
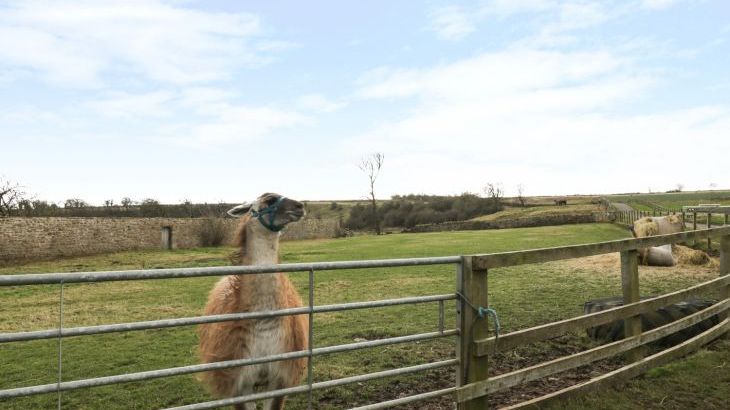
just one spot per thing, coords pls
(222, 101)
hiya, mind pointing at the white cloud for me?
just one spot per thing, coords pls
(121, 105)
(193, 117)
(561, 114)
(554, 19)
(235, 124)
(319, 103)
(658, 4)
(504, 8)
(202, 97)
(26, 114)
(451, 22)
(488, 75)
(80, 43)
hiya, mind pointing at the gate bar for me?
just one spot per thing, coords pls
(143, 274)
(317, 386)
(406, 400)
(197, 320)
(176, 371)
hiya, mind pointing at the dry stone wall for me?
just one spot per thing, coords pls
(546, 220)
(37, 238)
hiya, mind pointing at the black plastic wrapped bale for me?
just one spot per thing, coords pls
(613, 331)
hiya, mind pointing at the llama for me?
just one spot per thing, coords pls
(651, 226)
(258, 241)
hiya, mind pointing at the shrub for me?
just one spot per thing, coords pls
(411, 210)
(213, 231)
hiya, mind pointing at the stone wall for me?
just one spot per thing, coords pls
(545, 220)
(24, 239)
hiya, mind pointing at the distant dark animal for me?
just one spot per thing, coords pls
(611, 332)
(561, 202)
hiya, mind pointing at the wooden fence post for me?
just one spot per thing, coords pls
(725, 270)
(630, 287)
(709, 225)
(472, 284)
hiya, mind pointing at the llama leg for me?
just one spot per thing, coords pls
(245, 391)
(275, 403)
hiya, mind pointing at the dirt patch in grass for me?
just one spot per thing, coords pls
(537, 353)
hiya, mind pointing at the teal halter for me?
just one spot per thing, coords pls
(271, 212)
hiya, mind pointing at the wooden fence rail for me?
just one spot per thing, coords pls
(473, 386)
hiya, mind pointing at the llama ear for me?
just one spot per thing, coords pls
(239, 210)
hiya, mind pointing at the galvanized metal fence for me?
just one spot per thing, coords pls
(472, 340)
(87, 277)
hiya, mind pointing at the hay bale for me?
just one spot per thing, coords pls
(660, 256)
(689, 256)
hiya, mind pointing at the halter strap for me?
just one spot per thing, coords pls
(271, 212)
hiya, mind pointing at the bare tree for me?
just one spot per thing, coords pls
(371, 166)
(127, 202)
(494, 191)
(188, 206)
(151, 207)
(75, 203)
(520, 192)
(680, 187)
(495, 194)
(11, 196)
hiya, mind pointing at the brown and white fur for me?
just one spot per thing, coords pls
(652, 226)
(250, 293)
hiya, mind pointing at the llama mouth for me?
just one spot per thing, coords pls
(295, 215)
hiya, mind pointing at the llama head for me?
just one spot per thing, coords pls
(272, 210)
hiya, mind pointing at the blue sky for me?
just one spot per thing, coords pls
(221, 101)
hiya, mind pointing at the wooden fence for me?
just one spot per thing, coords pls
(628, 217)
(474, 383)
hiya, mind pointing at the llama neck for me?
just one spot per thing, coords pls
(262, 245)
(262, 248)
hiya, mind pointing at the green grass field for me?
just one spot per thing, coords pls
(539, 211)
(524, 296)
(676, 200)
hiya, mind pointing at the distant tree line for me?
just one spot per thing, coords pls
(410, 210)
(147, 208)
